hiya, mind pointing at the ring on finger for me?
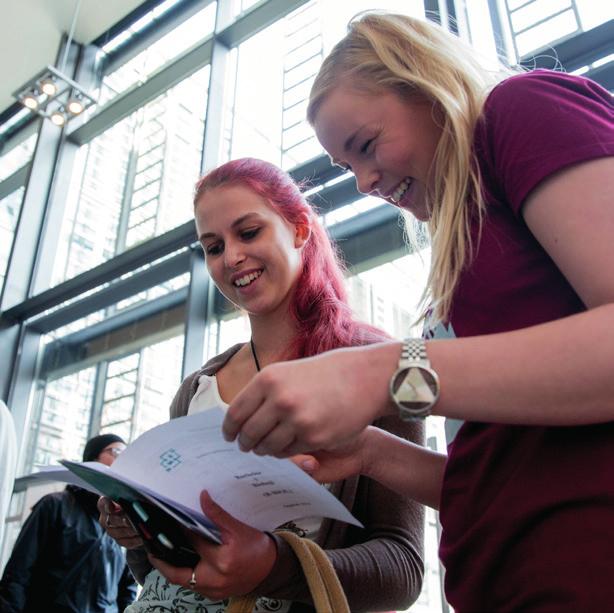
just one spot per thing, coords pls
(192, 581)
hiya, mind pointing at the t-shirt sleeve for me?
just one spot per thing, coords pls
(538, 123)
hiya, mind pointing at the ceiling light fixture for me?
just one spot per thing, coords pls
(58, 117)
(52, 94)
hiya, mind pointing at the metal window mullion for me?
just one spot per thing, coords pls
(118, 290)
(13, 182)
(145, 185)
(120, 397)
(302, 63)
(521, 6)
(138, 384)
(139, 95)
(498, 32)
(124, 263)
(27, 268)
(256, 19)
(304, 43)
(153, 32)
(197, 314)
(156, 163)
(100, 381)
(508, 14)
(72, 352)
(302, 27)
(122, 226)
(541, 21)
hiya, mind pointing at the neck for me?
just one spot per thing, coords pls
(272, 337)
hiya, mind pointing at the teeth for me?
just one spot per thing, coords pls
(397, 194)
(247, 279)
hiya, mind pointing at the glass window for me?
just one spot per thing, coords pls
(134, 181)
(480, 30)
(281, 63)
(537, 24)
(136, 393)
(61, 428)
(17, 157)
(594, 13)
(9, 213)
(137, 70)
(139, 389)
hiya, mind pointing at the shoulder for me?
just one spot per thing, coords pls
(546, 86)
(544, 102)
(219, 361)
(50, 505)
(537, 123)
(189, 385)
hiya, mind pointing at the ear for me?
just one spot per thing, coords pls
(302, 232)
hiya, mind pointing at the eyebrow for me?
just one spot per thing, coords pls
(235, 223)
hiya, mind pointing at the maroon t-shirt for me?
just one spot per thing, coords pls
(528, 512)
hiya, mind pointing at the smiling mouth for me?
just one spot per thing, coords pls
(247, 279)
(398, 193)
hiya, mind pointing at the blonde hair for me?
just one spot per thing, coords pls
(420, 60)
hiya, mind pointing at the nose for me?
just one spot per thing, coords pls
(367, 179)
(233, 254)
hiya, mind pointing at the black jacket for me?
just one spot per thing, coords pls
(63, 561)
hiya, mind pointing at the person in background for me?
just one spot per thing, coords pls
(8, 463)
(63, 561)
(514, 175)
(267, 252)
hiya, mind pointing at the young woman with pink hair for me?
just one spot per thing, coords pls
(268, 254)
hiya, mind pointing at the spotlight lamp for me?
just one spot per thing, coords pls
(53, 95)
(58, 117)
(75, 104)
(48, 86)
(30, 100)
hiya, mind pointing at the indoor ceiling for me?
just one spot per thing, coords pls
(31, 32)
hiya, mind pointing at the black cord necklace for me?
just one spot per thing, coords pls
(251, 344)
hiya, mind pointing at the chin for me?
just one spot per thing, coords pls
(419, 214)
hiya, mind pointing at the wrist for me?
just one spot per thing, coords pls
(269, 556)
(379, 362)
(372, 450)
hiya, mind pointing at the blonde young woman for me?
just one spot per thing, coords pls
(267, 252)
(514, 174)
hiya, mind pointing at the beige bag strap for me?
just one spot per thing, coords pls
(322, 579)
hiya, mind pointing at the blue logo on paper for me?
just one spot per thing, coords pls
(170, 459)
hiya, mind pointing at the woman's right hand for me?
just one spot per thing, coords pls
(315, 403)
(117, 524)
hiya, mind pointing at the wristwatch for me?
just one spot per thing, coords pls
(414, 387)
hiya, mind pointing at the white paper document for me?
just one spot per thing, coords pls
(172, 463)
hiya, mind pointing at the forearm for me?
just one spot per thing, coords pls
(379, 567)
(558, 373)
(404, 467)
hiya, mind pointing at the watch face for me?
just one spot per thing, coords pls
(415, 387)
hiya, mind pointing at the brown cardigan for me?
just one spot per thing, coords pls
(380, 567)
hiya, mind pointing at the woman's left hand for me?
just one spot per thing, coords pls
(236, 567)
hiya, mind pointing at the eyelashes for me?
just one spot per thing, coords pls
(244, 235)
(366, 145)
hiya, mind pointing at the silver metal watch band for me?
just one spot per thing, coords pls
(413, 350)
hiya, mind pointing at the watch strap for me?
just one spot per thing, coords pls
(412, 351)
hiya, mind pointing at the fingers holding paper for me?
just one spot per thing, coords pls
(314, 403)
(117, 524)
(338, 464)
(236, 567)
